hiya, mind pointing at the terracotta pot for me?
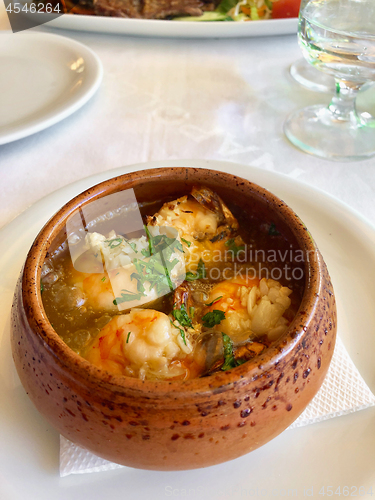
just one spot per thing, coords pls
(176, 425)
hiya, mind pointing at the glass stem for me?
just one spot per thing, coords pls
(343, 104)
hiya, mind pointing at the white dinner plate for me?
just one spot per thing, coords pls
(297, 464)
(175, 29)
(43, 79)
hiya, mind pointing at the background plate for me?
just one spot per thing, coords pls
(43, 79)
(175, 29)
(297, 464)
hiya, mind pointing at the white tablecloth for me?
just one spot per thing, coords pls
(166, 99)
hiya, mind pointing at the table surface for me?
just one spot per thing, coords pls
(173, 99)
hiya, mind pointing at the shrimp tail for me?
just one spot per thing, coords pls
(210, 200)
(241, 354)
(182, 296)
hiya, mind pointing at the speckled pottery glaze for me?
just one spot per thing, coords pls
(164, 425)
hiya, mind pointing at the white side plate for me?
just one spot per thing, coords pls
(43, 79)
(175, 29)
(297, 464)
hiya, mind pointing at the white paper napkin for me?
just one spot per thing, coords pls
(343, 391)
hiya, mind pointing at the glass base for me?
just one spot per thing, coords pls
(311, 78)
(316, 131)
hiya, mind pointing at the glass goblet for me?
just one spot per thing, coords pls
(338, 38)
(309, 77)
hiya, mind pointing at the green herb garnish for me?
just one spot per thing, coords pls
(192, 311)
(114, 243)
(213, 318)
(241, 361)
(182, 316)
(41, 288)
(103, 279)
(199, 275)
(229, 361)
(272, 230)
(150, 243)
(128, 296)
(182, 333)
(233, 247)
(214, 301)
(133, 246)
(188, 243)
(140, 286)
(156, 270)
(127, 338)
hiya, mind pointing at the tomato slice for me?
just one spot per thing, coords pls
(285, 8)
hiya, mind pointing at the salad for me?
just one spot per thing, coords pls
(248, 10)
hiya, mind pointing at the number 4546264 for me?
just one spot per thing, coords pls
(33, 8)
(345, 491)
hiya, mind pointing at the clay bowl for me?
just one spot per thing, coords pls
(176, 425)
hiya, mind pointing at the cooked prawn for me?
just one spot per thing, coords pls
(144, 344)
(121, 282)
(205, 225)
